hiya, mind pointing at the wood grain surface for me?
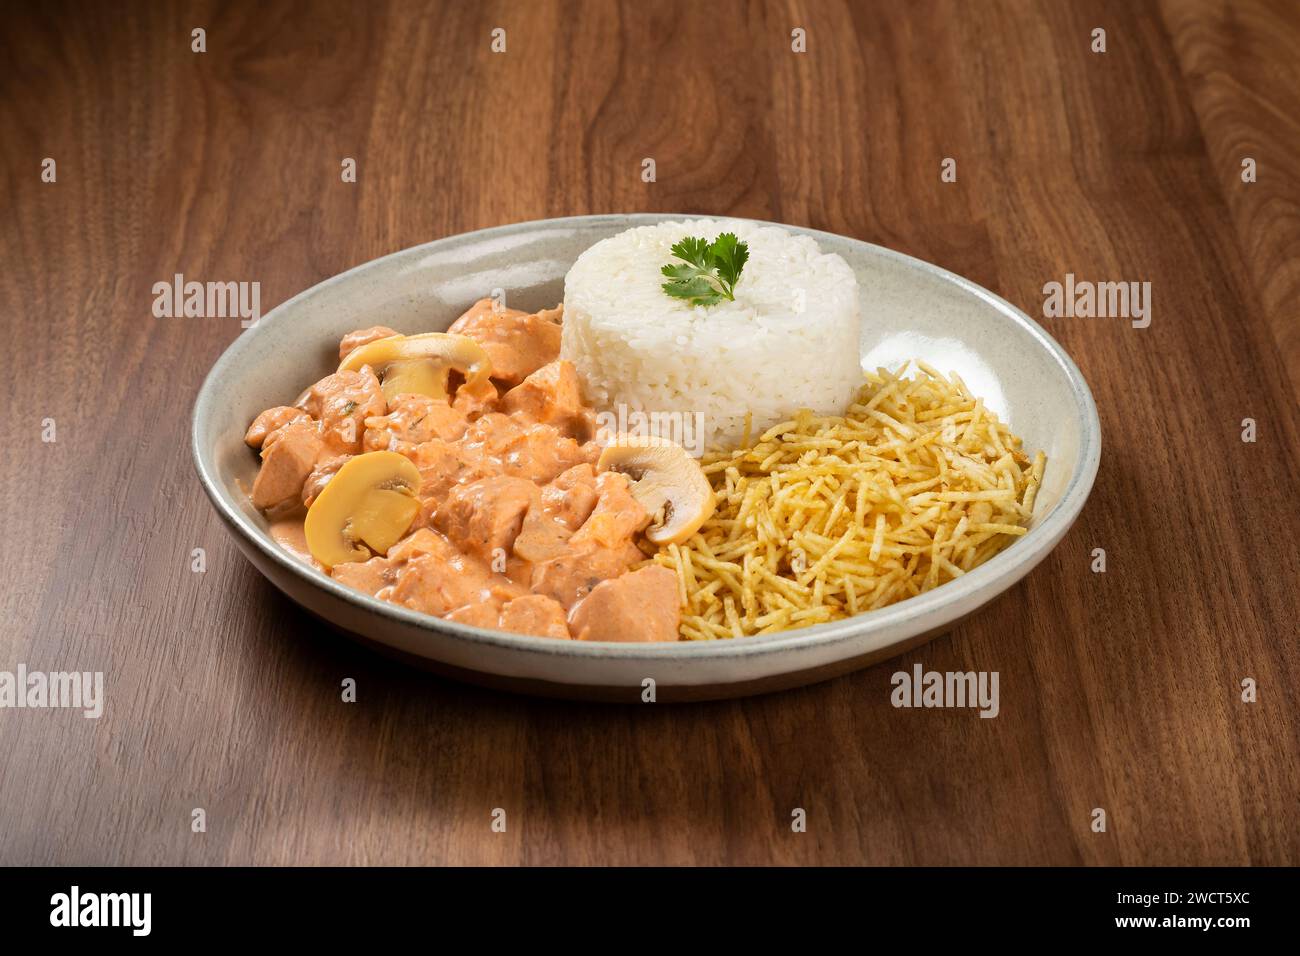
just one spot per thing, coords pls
(1119, 690)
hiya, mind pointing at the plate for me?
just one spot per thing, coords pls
(910, 309)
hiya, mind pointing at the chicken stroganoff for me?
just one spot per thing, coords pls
(458, 474)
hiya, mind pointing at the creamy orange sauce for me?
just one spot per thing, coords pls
(515, 530)
(289, 534)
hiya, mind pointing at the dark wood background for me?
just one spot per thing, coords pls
(1118, 690)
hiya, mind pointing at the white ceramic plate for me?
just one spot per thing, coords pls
(910, 309)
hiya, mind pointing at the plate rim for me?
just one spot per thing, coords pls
(1009, 565)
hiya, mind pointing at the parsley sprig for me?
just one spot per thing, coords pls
(708, 272)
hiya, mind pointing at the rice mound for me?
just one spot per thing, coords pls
(789, 341)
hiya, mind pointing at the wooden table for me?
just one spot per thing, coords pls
(1119, 690)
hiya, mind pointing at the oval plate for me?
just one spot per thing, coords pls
(910, 309)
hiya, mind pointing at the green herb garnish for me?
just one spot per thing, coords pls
(709, 271)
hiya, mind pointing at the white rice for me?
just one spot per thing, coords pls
(788, 341)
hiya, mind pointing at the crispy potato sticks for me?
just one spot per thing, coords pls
(823, 518)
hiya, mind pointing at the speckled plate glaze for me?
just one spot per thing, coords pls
(910, 308)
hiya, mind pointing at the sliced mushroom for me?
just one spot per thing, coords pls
(420, 363)
(364, 509)
(667, 482)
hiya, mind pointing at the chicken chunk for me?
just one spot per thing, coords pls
(535, 614)
(541, 536)
(478, 614)
(536, 452)
(422, 543)
(325, 469)
(637, 606)
(354, 340)
(443, 465)
(341, 403)
(473, 401)
(435, 585)
(571, 575)
(617, 516)
(371, 576)
(289, 455)
(269, 421)
(517, 343)
(380, 573)
(572, 495)
(552, 396)
(564, 505)
(412, 420)
(526, 614)
(541, 454)
(483, 517)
